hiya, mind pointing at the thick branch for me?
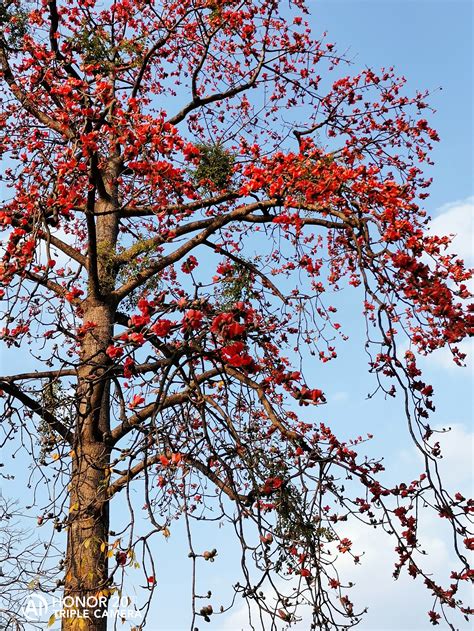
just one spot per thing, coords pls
(146, 60)
(46, 374)
(179, 208)
(200, 224)
(133, 472)
(46, 282)
(25, 100)
(305, 221)
(53, 39)
(252, 268)
(215, 224)
(65, 248)
(92, 236)
(38, 409)
(145, 413)
(72, 372)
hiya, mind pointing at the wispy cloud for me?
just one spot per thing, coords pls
(402, 604)
(457, 218)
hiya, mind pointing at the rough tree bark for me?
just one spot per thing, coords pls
(86, 575)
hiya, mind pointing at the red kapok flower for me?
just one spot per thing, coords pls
(161, 327)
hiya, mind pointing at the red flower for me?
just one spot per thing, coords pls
(225, 326)
(121, 558)
(176, 458)
(272, 484)
(469, 543)
(139, 320)
(162, 327)
(234, 356)
(137, 338)
(144, 306)
(344, 545)
(434, 617)
(164, 460)
(224, 267)
(306, 394)
(136, 401)
(189, 264)
(114, 351)
(128, 367)
(73, 294)
(190, 151)
(235, 329)
(192, 319)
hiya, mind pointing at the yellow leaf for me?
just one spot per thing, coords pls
(110, 554)
(103, 546)
(52, 620)
(166, 532)
(87, 543)
(55, 456)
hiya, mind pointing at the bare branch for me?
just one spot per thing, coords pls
(140, 467)
(129, 211)
(38, 409)
(219, 96)
(165, 261)
(149, 410)
(252, 268)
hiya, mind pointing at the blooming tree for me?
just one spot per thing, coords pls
(150, 150)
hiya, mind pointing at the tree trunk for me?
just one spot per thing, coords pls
(86, 559)
(86, 568)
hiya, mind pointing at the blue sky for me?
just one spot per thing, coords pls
(430, 43)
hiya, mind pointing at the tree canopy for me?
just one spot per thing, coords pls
(184, 187)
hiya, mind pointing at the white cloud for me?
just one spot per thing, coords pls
(457, 218)
(402, 604)
(456, 466)
(443, 358)
(340, 396)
